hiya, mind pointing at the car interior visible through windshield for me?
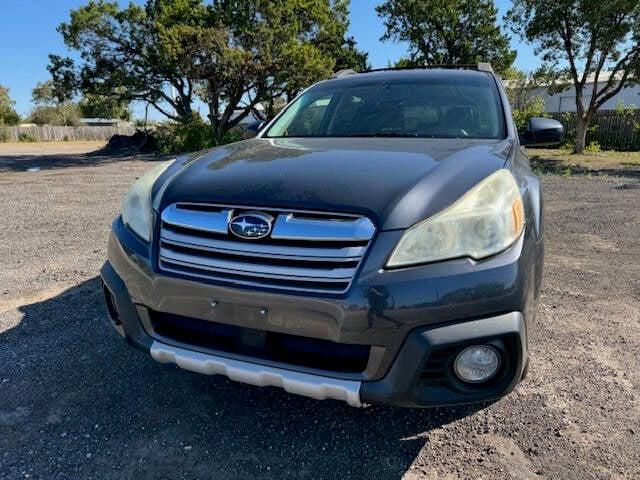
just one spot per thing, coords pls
(395, 109)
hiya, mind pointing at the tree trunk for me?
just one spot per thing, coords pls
(581, 134)
(219, 135)
(218, 129)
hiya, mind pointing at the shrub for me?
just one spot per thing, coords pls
(9, 117)
(593, 147)
(534, 107)
(27, 138)
(63, 114)
(567, 145)
(4, 136)
(195, 135)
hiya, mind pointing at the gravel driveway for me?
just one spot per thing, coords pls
(76, 402)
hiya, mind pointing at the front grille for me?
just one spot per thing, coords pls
(280, 347)
(306, 251)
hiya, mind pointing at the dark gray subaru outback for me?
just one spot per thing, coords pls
(380, 241)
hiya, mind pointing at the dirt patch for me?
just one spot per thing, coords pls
(12, 149)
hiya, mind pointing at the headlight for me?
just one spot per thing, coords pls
(484, 221)
(136, 209)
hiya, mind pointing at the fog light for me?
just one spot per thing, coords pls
(477, 364)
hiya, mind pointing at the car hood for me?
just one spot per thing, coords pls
(394, 181)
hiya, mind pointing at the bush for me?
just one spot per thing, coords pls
(9, 117)
(534, 107)
(4, 136)
(593, 147)
(63, 114)
(195, 135)
(27, 138)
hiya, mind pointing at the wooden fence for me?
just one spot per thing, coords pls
(47, 133)
(612, 129)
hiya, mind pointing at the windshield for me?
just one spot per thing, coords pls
(442, 107)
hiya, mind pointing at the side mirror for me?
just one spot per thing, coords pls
(252, 129)
(542, 132)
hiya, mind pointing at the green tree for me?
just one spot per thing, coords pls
(43, 94)
(143, 53)
(579, 40)
(52, 106)
(333, 41)
(520, 88)
(66, 114)
(64, 82)
(449, 33)
(233, 54)
(348, 56)
(100, 106)
(65, 85)
(265, 51)
(8, 114)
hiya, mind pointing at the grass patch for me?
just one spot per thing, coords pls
(563, 162)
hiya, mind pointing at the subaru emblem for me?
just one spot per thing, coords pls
(251, 225)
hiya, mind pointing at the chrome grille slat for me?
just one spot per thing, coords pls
(331, 286)
(214, 222)
(228, 246)
(307, 251)
(287, 227)
(263, 270)
(243, 273)
(257, 255)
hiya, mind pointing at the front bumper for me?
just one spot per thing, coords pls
(407, 317)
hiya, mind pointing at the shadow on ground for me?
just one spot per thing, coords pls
(22, 163)
(78, 402)
(554, 166)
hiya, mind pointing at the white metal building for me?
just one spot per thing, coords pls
(566, 100)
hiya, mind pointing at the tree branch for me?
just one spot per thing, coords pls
(163, 111)
(605, 93)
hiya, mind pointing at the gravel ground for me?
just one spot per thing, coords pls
(76, 402)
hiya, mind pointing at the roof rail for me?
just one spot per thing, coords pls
(343, 73)
(480, 66)
(485, 67)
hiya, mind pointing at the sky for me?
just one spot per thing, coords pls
(28, 34)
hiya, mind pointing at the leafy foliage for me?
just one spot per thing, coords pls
(175, 137)
(593, 147)
(233, 54)
(8, 114)
(53, 107)
(43, 94)
(100, 106)
(588, 35)
(333, 42)
(452, 32)
(62, 86)
(27, 138)
(524, 104)
(65, 114)
(534, 107)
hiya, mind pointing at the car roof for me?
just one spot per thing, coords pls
(377, 76)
